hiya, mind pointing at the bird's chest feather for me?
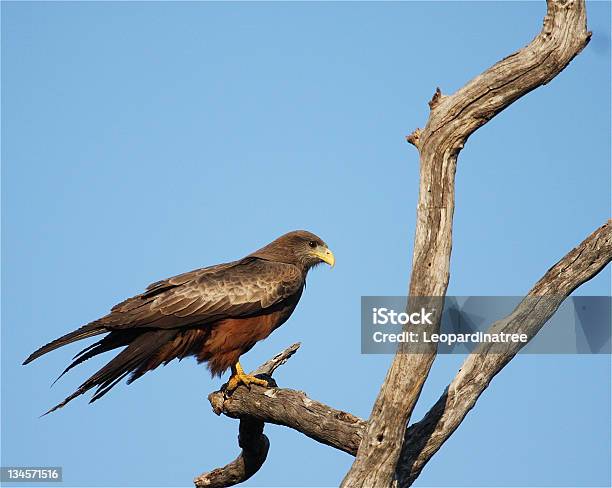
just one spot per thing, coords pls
(242, 333)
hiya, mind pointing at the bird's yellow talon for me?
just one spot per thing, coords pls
(239, 377)
(244, 379)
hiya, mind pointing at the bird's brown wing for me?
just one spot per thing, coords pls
(231, 290)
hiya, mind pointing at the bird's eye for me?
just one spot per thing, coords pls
(312, 244)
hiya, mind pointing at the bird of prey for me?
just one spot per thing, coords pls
(215, 314)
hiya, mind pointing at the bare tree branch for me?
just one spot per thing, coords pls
(254, 446)
(451, 121)
(281, 358)
(295, 410)
(251, 439)
(282, 407)
(424, 438)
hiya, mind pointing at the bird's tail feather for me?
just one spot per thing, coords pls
(108, 343)
(141, 355)
(88, 330)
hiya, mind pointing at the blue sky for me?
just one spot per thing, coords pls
(141, 140)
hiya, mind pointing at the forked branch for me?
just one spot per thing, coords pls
(279, 406)
(251, 439)
(452, 120)
(424, 438)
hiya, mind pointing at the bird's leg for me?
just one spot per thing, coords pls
(240, 377)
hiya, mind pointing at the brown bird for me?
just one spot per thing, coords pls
(215, 314)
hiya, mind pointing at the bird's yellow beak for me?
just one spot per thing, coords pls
(325, 255)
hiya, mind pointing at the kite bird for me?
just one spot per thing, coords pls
(215, 314)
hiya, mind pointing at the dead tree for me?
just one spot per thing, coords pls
(387, 452)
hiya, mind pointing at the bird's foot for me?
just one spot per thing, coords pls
(244, 379)
(239, 377)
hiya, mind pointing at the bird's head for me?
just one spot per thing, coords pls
(299, 247)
